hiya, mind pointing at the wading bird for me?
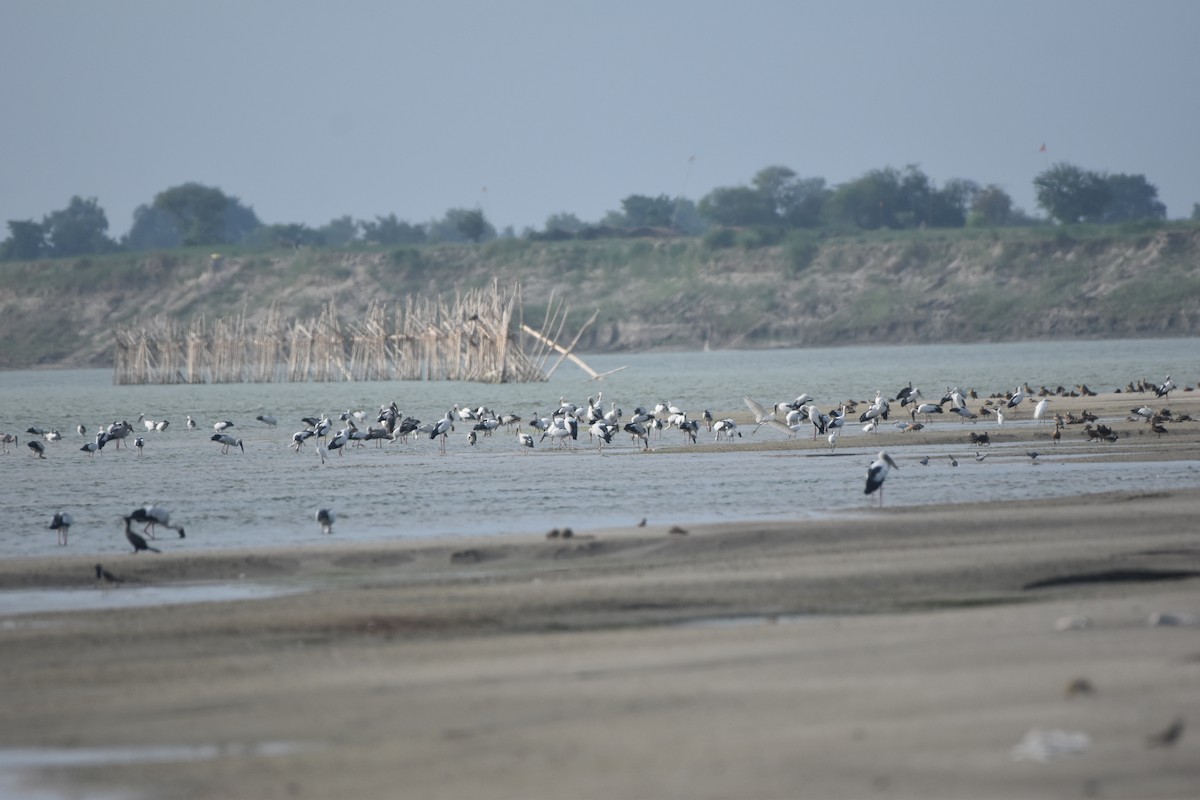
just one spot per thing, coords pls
(61, 522)
(136, 539)
(877, 473)
(154, 516)
(325, 519)
(227, 442)
(105, 576)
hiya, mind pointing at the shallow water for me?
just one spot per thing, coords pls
(268, 495)
(28, 601)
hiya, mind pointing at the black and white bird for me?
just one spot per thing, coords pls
(877, 473)
(926, 409)
(136, 539)
(154, 516)
(525, 440)
(300, 437)
(223, 425)
(639, 432)
(443, 428)
(227, 442)
(93, 447)
(325, 518)
(1166, 388)
(61, 522)
(37, 448)
(139, 443)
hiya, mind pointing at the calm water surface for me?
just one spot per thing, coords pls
(268, 495)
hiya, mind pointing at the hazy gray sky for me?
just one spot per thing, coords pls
(308, 111)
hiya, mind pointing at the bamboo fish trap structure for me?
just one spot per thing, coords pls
(479, 335)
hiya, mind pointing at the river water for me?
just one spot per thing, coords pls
(267, 496)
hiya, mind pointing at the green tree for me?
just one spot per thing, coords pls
(152, 229)
(1132, 197)
(686, 218)
(737, 206)
(793, 201)
(642, 211)
(563, 221)
(78, 229)
(292, 234)
(870, 202)
(991, 207)
(206, 215)
(462, 225)
(473, 225)
(952, 202)
(339, 232)
(26, 241)
(389, 231)
(1070, 194)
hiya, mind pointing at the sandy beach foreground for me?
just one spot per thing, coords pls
(933, 652)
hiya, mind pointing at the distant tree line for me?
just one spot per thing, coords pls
(776, 200)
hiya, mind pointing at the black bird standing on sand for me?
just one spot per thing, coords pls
(1171, 735)
(136, 539)
(107, 577)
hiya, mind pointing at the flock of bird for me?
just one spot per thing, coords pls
(563, 426)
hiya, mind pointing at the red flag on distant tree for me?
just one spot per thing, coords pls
(1042, 149)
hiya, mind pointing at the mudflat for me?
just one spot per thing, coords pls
(985, 651)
